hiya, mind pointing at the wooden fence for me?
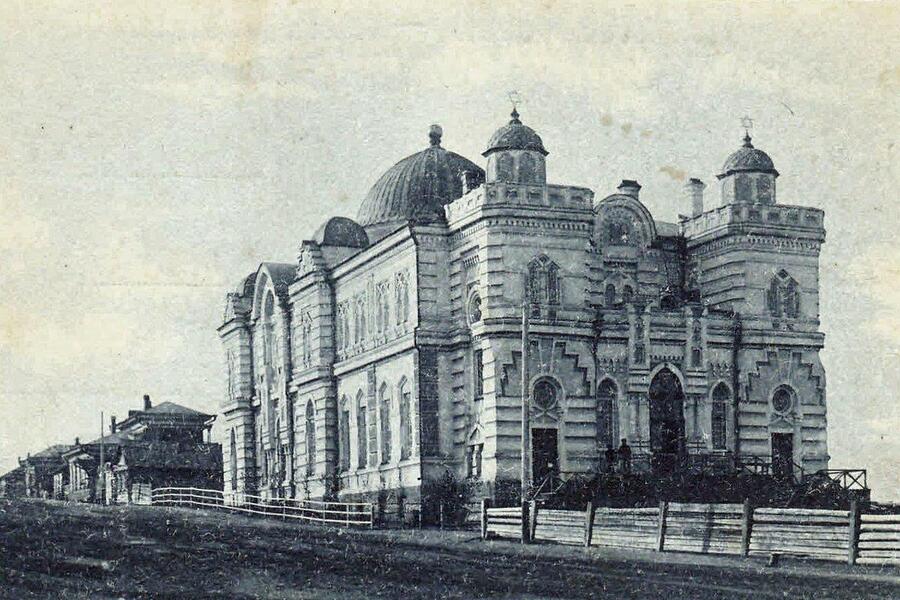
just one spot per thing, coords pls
(736, 529)
(335, 513)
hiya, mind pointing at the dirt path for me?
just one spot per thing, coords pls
(52, 550)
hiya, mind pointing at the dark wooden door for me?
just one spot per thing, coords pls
(544, 454)
(783, 455)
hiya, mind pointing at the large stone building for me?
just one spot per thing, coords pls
(390, 354)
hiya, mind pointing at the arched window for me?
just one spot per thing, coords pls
(269, 329)
(474, 309)
(505, 167)
(307, 339)
(310, 438)
(783, 297)
(607, 395)
(360, 318)
(543, 282)
(526, 169)
(720, 398)
(384, 417)
(405, 424)
(361, 430)
(382, 317)
(609, 295)
(344, 435)
(627, 294)
(234, 470)
(402, 303)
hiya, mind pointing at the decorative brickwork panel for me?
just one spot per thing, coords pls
(373, 415)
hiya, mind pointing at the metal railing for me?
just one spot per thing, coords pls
(849, 479)
(314, 511)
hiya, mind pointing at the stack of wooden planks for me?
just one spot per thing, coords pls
(706, 528)
(822, 534)
(879, 539)
(626, 528)
(559, 526)
(505, 522)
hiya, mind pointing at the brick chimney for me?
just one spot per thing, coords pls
(693, 193)
(147, 404)
(112, 423)
(629, 187)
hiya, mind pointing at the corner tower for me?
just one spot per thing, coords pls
(516, 154)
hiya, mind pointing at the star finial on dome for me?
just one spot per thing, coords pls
(434, 134)
(747, 124)
(515, 99)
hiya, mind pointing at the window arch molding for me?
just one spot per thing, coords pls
(543, 285)
(473, 307)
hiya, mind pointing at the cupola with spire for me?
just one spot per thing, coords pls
(516, 154)
(748, 176)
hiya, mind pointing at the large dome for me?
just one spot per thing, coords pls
(418, 186)
(515, 136)
(748, 159)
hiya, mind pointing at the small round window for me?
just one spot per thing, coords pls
(544, 395)
(783, 400)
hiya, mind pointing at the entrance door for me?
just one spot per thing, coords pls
(783, 455)
(666, 421)
(544, 454)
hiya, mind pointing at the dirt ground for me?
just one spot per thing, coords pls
(56, 550)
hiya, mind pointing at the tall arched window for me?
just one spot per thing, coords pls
(627, 294)
(269, 329)
(384, 417)
(607, 395)
(344, 435)
(543, 283)
(382, 315)
(406, 441)
(720, 399)
(233, 454)
(783, 296)
(526, 169)
(505, 167)
(361, 318)
(310, 438)
(609, 295)
(361, 430)
(307, 339)
(402, 302)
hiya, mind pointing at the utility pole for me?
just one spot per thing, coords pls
(526, 406)
(100, 469)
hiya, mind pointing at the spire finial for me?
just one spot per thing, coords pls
(747, 124)
(515, 99)
(434, 134)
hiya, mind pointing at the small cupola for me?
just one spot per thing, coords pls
(516, 154)
(748, 176)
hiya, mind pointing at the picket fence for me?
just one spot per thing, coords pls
(335, 513)
(736, 529)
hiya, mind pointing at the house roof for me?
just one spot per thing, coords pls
(173, 455)
(170, 408)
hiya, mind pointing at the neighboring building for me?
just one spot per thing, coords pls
(12, 483)
(158, 446)
(42, 471)
(390, 353)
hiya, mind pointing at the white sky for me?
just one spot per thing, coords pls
(151, 154)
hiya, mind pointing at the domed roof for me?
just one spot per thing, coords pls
(418, 186)
(748, 159)
(515, 136)
(341, 231)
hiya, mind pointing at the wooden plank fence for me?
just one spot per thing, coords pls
(736, 529)
(333, 513)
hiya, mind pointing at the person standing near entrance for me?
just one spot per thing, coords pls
(625, 457)
(610, 466)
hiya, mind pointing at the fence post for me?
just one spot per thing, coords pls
(485, 505)
(532, 519)
(661, 534)
(371, 515)
(746, 527)
(589, 524)
(853, 541)
(526, 523)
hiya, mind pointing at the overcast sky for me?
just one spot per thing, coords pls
(152, 154)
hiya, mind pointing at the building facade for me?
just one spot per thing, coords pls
(389, 356)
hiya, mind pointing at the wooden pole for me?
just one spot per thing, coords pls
(661, 533)
(853, 541)
(526, 404)
(526, 523)
(532, 519)
(588, 524)
(100, 469)
(485, 505)
(746, 527)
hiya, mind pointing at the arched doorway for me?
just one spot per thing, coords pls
(666, 421)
